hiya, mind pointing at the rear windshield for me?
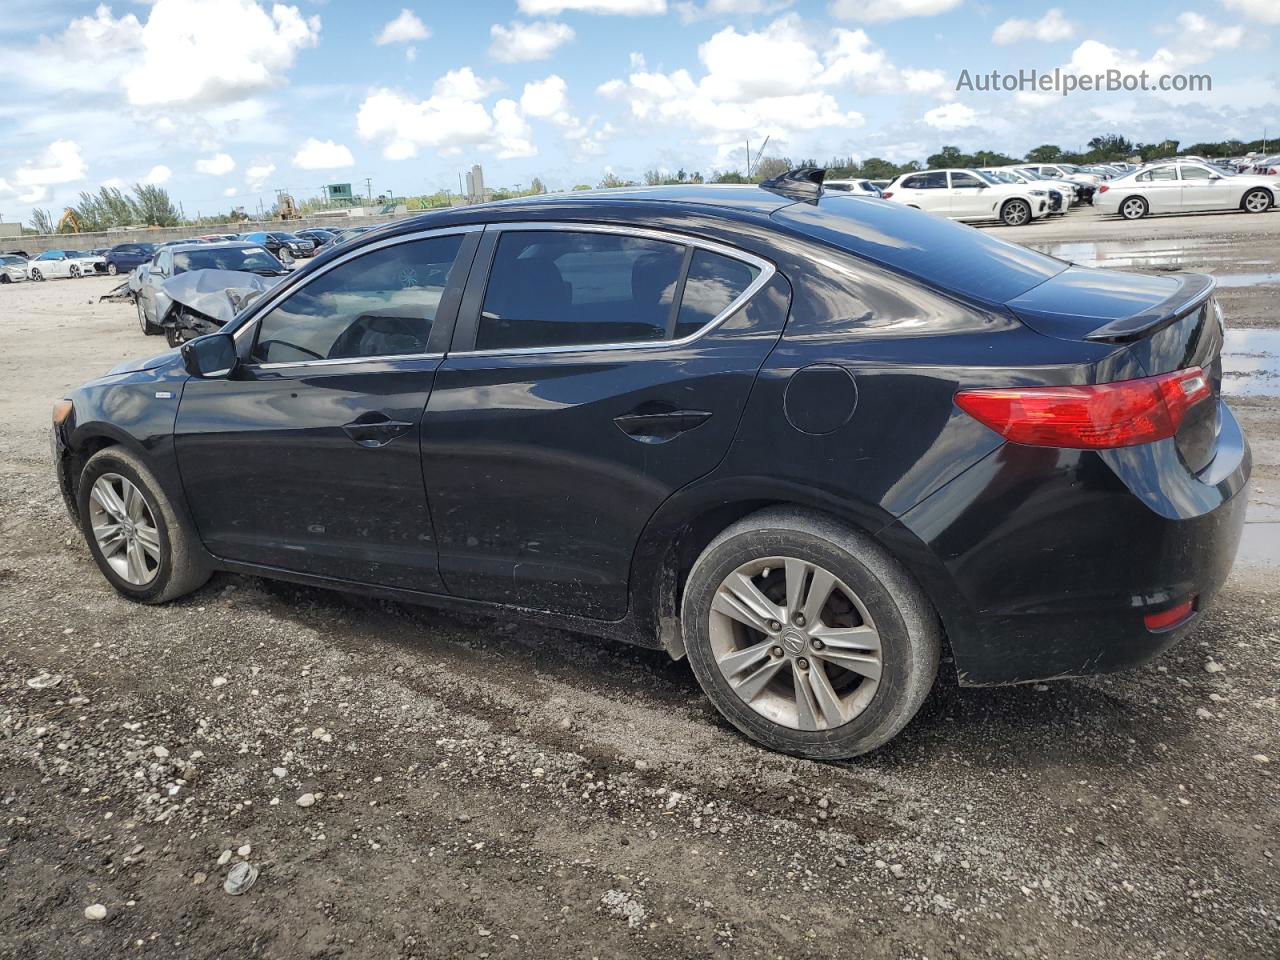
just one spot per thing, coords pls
(943, 254)
(252, 259)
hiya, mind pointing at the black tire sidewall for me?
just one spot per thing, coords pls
(864, 731)
(106, 462)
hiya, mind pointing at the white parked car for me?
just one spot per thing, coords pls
(969, 195)
(1186, 188)
(1268, 166)
(12, 268)
(863, 187)
(1070, 195)
(64, 263)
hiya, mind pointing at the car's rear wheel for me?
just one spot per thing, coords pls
(1257, 201)
(111, 269)
(1015, 213)
(141, 546)
(1133, 208)
(807, 635)
(148, 328)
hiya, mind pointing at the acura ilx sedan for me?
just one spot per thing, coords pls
(808, 441)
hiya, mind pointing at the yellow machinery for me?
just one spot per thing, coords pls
(69, 220)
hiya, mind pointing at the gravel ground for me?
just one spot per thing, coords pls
(411, 783)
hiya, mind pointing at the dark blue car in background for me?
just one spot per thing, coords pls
(123, 257)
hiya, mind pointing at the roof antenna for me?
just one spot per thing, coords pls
(802, 183)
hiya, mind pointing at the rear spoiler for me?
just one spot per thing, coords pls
(1194, 290)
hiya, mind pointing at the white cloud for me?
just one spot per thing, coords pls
(774, 81)
(403, 29)
(544, 98)
(1050, 28)
(59, 163)
(878, 11)
(630, 8)
(453, 118)
(214, 51)
(1267, 11)
(157, 175)
(322, 155)
(1196, 39)
(229, 192)
(521, 42)
(216, 166)
(950, 116)
(258, 174)
(690, 11)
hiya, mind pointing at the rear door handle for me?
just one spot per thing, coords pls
(375, 429)
(659, 426)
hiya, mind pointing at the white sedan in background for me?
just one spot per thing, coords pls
(12, 268)
(969, 195)
(1186, 188)
(64, 263)
(862, 187)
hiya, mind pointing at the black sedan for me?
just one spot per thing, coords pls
(804, 440)
(277, 243)
(123, 257)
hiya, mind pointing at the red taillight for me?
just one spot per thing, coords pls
(886, 194)
(1272, 172)
(1103, 189)
(1167, 619)
(1095, 417)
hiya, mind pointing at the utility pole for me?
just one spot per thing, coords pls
(748, 158)
(368, 186)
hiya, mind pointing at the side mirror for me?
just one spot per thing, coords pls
(1214, 176)
(213, 355)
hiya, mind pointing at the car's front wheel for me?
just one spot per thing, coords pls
(148, 328)
(1015, 213)
(36, 274)
(1134, 208)
(141, 546)
(807, 635)
(75, 271)
(111, 269)
(1257, 201)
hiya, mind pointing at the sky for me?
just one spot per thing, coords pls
(223, 102)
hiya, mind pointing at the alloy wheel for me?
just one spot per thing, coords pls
(125, 529)
(36, 275)
(142, 316)
(795, 643)
(111, 269)
(1133, 208)
(1016, 213)
(1257, 202)
(75, 271)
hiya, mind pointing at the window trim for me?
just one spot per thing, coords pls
(467, 327)
(269, 303)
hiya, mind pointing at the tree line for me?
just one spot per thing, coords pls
(148, 206)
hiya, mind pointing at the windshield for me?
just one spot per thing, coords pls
(75, 253)
(990, 178)
(248, 259)
(10, 260)
(1002, 175)
(283, 236)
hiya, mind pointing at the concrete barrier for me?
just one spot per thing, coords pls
(90, 241)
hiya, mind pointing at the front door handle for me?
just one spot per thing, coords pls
(659, 423)
(375, 429)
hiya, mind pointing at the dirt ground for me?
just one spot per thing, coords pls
(411, 783)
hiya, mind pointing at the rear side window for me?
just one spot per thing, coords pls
(713, 283)
(380, 304)
(939, 252)
(926, 181)
(559, 288)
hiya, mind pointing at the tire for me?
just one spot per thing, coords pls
(876, 701)
(178, 567)
(1258, 200)
(1134, 208)
(171, 337)
(75, 272)
(111, 270)
(148, 328)
(4, 278)
(1015, 213)
(36, 275)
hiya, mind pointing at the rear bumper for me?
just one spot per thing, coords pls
(1044, 563)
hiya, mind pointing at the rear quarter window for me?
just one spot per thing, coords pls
(943, 254)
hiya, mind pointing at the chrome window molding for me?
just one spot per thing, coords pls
(767, 270)
(269, 304)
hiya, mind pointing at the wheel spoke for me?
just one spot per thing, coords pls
(740, 599)
(106, 497)
(133, 502)
(109, 536)
(751, 685)
(136, 565)
(797, 572)
(819, 591)
(806, 703)
(865, 665)
(847, 638)
(825, 695)
(149, 538)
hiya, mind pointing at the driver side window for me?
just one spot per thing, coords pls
(380, 304)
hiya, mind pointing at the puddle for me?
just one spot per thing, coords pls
(1251, 363)
(1246, 279)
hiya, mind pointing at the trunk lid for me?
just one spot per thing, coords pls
(1170, 322)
